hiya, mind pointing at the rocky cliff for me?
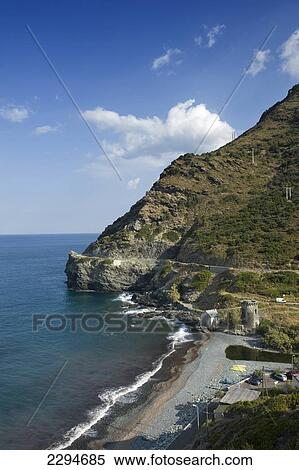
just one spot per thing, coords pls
(218, 208)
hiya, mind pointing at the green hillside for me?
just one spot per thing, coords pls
(267, 423)
(218, 208)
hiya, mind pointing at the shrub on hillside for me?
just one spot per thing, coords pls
(174, 294)
(201, 280)
(171, 236)
(284, 338)
(278, 340)
(167, 268)
(273, 284)
(248, 282)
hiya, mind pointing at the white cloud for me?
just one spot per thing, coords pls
(136, 144)
(14, 113)
(259, 61)
(44, 130)
(213, 33)
(198, 40)
(290, 55)
(211, 36)
(132, 184)
(165, 59)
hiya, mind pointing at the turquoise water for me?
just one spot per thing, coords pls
(51, 381)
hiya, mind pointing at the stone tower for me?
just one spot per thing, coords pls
(250, 315)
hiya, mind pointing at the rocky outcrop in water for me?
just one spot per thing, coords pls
(105, 274)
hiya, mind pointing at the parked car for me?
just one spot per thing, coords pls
(290, 373)
(280, 300)
(254, 380)
(279, 376)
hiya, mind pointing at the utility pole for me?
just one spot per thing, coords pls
(293, 355)
(198, 417)
(196, 405)
(252, 152)
(207, 419)
(288, 193)
(264, 381)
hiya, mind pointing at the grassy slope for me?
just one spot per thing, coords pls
(279, 322)
(219, 208)
(247, 220)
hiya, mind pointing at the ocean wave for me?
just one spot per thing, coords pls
(112, 396)
(182, 335)
(133, 311)
(108, 399)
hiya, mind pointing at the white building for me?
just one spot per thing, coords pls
(210, 319)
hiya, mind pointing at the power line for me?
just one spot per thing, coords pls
(72, 99)
(235, 88)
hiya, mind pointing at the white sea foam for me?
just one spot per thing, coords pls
(125, 297)
(108, 399)
(134, 311)
(182, 335)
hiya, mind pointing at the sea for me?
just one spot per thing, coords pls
(68, 359)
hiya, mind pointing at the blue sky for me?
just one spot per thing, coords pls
(149, 77)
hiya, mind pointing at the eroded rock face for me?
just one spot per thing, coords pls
(104, 274)
(216, 208)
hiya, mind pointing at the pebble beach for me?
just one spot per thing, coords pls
(171, 409)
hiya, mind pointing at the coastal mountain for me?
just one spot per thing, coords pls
(235, 207)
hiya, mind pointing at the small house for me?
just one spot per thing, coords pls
(210, 319)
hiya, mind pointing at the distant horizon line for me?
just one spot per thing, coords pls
(45, 234)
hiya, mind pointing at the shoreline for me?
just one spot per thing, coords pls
(164, 417)
(160, 420)
(191, 371)
(123, 417)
